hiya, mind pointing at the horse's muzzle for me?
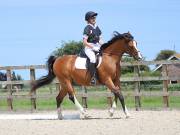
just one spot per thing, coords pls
(138, 56)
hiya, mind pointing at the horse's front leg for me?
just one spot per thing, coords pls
(114, 105)
(117, 92)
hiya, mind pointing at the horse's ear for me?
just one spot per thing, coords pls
(128, 32)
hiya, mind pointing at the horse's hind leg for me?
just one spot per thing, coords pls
(73, 98)
(59, 99)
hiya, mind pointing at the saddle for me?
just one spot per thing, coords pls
(82, 61)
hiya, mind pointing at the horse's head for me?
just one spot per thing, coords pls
(123, 43)
(131, 46)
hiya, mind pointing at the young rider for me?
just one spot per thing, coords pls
(92, 41)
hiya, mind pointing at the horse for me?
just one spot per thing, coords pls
(63, 68)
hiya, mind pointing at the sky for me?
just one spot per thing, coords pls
(30, 30)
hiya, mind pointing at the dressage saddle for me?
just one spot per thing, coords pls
(82, 54)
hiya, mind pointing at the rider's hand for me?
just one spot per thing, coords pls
(95, 48)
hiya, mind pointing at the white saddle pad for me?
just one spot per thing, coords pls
(80, 63)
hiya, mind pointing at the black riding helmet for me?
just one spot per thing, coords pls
(90, 14)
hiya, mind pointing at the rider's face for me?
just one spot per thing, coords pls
(92, 20)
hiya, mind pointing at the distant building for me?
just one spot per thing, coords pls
(173, 70)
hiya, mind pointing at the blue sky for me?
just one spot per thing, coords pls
(31, 29)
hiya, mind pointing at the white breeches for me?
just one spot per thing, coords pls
(90, 53)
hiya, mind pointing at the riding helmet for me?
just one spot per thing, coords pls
(90, 14)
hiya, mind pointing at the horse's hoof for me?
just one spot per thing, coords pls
(111, 112)
(86, 116)
(127, 116)
(60, 117)
(59, 113)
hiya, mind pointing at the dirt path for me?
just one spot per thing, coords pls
(140, 123)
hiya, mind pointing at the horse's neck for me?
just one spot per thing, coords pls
(115, 50)
(111, 58)
(112, 55)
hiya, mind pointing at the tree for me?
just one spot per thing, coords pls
(3, 76)
(69, 48)
(164, 54)
(14, 77)
(19, 77)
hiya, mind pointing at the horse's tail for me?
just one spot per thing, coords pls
(45, 79)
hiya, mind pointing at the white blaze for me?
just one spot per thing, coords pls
(135, 46)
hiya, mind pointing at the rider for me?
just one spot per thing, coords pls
(92, 40)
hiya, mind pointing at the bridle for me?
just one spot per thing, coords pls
(129, 49)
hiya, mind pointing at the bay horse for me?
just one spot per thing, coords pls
(108, 72)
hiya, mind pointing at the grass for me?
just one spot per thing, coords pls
(152, 102)
(93, 103)
(174, 102)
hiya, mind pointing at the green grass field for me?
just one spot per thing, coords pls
(93, 102)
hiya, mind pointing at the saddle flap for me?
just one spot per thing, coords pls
(80, 63)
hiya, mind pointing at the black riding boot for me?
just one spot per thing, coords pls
(92, 70)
